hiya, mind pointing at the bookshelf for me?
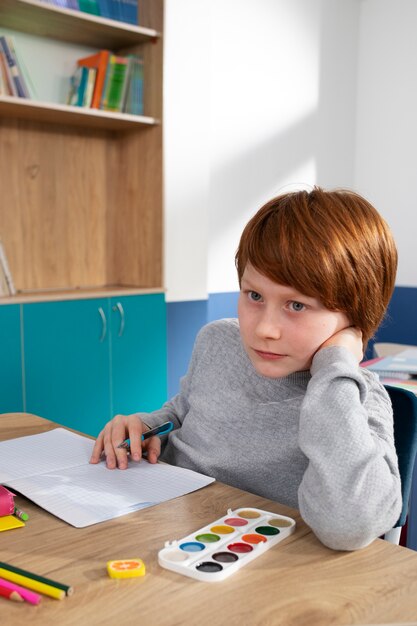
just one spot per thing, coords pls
(81, 219)
(81, 189)
(45, 20)
(20, 108)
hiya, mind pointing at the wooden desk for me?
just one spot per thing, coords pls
(299, 582)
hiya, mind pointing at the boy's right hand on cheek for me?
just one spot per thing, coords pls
(349, 338)
(120, 428)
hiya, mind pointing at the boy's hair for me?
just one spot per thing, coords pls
(330, 245)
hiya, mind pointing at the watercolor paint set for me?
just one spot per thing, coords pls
(221, 548)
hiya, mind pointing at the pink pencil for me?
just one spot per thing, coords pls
(29, 596)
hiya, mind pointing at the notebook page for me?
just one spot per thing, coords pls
(90, 494)
(36, 454)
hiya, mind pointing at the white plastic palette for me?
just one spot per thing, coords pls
(221, 548)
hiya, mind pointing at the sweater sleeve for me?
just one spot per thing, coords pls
(350, 493)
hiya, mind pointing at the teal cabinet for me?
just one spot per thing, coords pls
(11, 372)
(66, 362)
(138, 353)
(86, 360)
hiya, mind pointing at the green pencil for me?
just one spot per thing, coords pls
(47, 581)
(20, 514)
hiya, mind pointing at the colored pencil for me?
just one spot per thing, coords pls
(21, 514)
(41, 579)
(30, 583)
(29, 596)
(10, 594)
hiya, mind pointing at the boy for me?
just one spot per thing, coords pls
(275, 403)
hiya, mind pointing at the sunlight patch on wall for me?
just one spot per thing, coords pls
(221, 269)
(265, 65)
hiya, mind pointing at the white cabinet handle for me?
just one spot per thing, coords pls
(104, 324)
(119, 307)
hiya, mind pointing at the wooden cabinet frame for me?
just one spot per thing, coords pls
(81, 190)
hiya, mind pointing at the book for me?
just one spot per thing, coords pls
(4, 289)
(74, 85)
(89, 87)
(6, 271)
(66, 4)
(5, 87)
(99, 61)
(114, 8)
(409, 385)
(89, 6)
(82, 85)
(133, 101)
(402, 365)
(26, 75)
(129, 11)
(116, 79)
(15, 77)
(52, 469)
(104, 8)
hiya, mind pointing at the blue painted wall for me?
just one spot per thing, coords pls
(400, 323)
(184, 321)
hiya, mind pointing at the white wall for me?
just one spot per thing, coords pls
(260, 94)
(386, 153)
(186, 146)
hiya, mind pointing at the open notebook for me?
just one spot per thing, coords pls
(52, 469)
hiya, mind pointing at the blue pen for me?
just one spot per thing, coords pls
(163, 429)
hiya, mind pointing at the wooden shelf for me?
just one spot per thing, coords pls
(21, 108)
(81, 188)
(51, 295)
(45, 20)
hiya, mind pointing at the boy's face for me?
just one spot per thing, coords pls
(281, 329)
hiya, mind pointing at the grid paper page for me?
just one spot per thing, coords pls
(90, 494)
(37, 454)
(53, 470)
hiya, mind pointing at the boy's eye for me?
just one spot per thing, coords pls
(296, 306)
(255, 296)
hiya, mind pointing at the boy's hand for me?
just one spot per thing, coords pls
(350, 338)
(120, 428)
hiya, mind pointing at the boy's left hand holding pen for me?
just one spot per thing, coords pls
(113, 443)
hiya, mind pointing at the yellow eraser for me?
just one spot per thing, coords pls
(126, 568)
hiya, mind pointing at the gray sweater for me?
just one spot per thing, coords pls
(319, 441)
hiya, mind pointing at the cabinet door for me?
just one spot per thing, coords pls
(67, 362)
(11, 387)
(138, 353)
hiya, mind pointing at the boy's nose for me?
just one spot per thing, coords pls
(269, 327)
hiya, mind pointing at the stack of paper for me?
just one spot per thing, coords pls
(402, 365)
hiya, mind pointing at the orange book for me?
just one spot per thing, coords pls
(98, 61)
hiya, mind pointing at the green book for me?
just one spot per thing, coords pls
(114, 87)
(89, 6)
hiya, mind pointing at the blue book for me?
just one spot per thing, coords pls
(82, 86)
(134, 96)
(129, 11)
(115, 10)
(104, 8)
(17, 81)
